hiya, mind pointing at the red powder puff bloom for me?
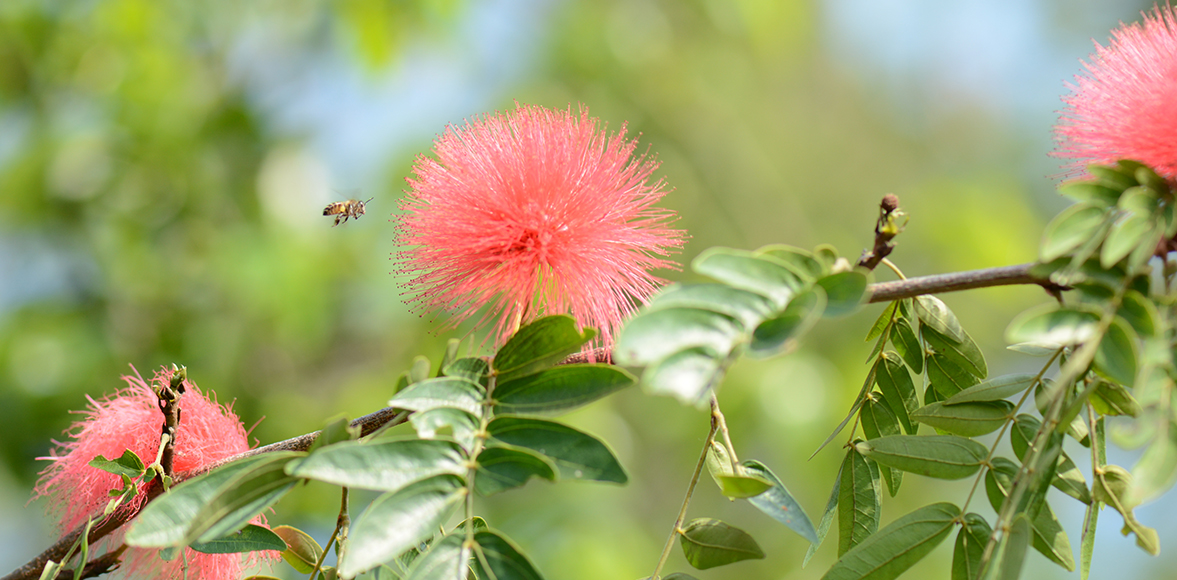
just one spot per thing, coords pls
(131, 419)
(1125, 106)
(535, 212)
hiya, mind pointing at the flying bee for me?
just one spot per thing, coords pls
(352, 208)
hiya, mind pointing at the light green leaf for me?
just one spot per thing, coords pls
(741, 486)
(504, 560)
(859, 503)
(539, 345)
(895, 383)
(395, 522)
(762, 274)
(895, 548)
(780, 333)
(801, 261)
(1089, 191)
(473, 369)
(845, 292)
(655, 335)
(1156, 471)
(1070, 229)
(967, 419)
(1116, 356)
(1051, 325)
(883, 322)
(686, 375)
(994, 389)
(302, 550)
(501, 468)
(1113, 399)
(447, 392)
(708, 543)
(964, 352)
(446, 559)
(1087, 544)
(747, 307)
(1010, 552)
(560, 389)
(251, 538)
(779, 504)
(577, 455)
(381, 465)
(127, 464)
(932, 312)
(970, 545)
(1124, 236)
(445, 423)
(940, 456)
(1140, 313)
(878, 420)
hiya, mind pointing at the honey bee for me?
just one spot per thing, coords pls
(352, 208)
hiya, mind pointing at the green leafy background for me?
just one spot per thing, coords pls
(163, 167)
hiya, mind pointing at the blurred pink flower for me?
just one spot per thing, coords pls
(535, 212)
(130, 418)
(1125, 106)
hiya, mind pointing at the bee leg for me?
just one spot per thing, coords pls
(336, 221)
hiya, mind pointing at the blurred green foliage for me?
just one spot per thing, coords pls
(143, 220)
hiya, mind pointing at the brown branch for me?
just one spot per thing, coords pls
(886, 228)
(169, 404)
(1004, 276)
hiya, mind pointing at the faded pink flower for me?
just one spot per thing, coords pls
(131, 419)
(531, 213)
(1125, 106)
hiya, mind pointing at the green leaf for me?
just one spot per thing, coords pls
(1140, 313)
(741, 486)
(708, 543)
(381, 465)
(763, 275)
(859, 501)
(577, 455)
(895, 383)
(779, 504)
(1123, 237)
(447, 392)
(395, 522)
(967, 419)
(1053, 326)
(539, 345)
(420, 369)
(940, 456)
(994, 389)
(970, 545)
(1113, 399)
(898, 546)
(446, 423)
(679, 576)
(1070, 229)
(242, 499)
(1034, 348)
(560, 389)
(1087, 543)
(780, 333)
(181, 516)
(686, 375)
(1089, 191)
(1010, 551)
(128, 464)
(251, 538)
(907, 345)
(878, 420)
(1156, 471)
(446, 559)
(473, 369)
(964, 353)
(747, 307)
(1068, 478)
(504, 560)
(947, 377)
(827, 518)
(1116, 356)
(883, 322)
(845, 292)
(302, 550)
(655, 335)
(935, 314)
(1048, 535)
(502, 468)
(801, 261)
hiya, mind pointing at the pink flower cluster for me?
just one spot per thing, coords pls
(1125, 106)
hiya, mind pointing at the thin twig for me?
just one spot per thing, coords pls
(940, 283)
(890, 224)
(169, 405)
(682, 513)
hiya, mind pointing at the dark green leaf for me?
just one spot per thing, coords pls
(895, 383)
(1048, 535)
(883, 322)
(395, 522)
(859, 501)
(844, 292)
(242, 500)
(686, 375)
(655, 335)
(994, 389)
(763, 275)
(1070, 229)
(251, 538)
(970, 545)
(1140, 313)
(444, 423)
(446, 559)
(1116, 356)
(878, 420)
(1068, 477)
(501, 468)
(947, 377)
(382, 465)
(747, 307)
(708, 543)
(560, 389)
(473, 369)
(1123, 237)
(504, 560)
(779, 504)
(967, 419)
(780, 333)
(907, 345)
(941, 456)
(1053, 326)
(935, 314)
(302, 550)
(577, 455)
(538, 345)
(448, 392)
(127, 464)
(964, 353)
(895, 548)
(827, 518)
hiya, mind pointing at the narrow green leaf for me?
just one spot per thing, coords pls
(577, 455)
(898, 546)
(127, 464)
(967, 419)
(940, 456)
(1053, 326)
(827, 518)
(251, 538)
(879, 420)
(1089, 191)
(907, 345)
(708, 543)
(446, 559)
(1087, 544)
(947, 377)
(416, 511)
(657, 334)
(560, 389)
(859, 502)
(1034, 348)
(935, 314)
(780, 333)
(500, 469)
(686, 375)
(504, 560)
(538, 345)
(381, 465)
(1116, 356)
(1011, 551)
(994, 389)
(763, 274)
(964, 352)
(883, 322)
(970, 546)
(448, 392)
(1070, 229)
(747, 307)
(445, 423)
(302, 550)
(1123, 237)
(845, 292)
(895, 383)
(858, 400)
(241, 500)
(779, 504)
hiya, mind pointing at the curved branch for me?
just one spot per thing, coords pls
(1004, 276)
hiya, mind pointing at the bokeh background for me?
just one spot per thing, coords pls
(164, 164)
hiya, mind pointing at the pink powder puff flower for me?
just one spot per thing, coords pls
(131, 419)
(1125, 106)
(535, 212)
